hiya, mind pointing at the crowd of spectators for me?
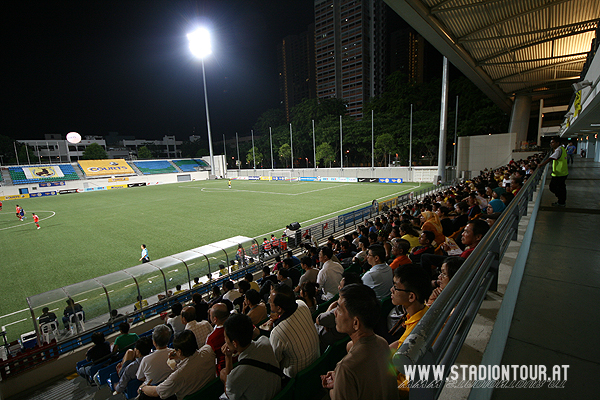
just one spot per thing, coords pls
(251, 334)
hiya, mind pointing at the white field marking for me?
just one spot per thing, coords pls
(346, 209)
(13, 313)
(12, 323)
(131, 284)
(80, 301)
(211, 189)
(103, 294)
(175, 270)
(31, 222)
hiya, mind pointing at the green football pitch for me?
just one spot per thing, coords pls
(86, 235)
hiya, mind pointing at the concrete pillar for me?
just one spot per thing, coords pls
(597, 156)
(443, 122)
(591, 147)
(519, 118)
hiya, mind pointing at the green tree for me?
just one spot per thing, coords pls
(23, 152)
(257, 155)
(384, 145)
(285, 153)
(325, 154)
(144, 153)
(94, 152)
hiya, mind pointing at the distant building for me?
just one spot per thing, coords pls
(350, 43)
(55, 149)
(296, 64)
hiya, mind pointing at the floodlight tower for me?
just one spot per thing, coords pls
(200, 48)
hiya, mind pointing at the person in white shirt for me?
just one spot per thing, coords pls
(330, 274)
(153, 367)
(230, 293)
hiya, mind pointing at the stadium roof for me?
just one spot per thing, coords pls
(509, 47)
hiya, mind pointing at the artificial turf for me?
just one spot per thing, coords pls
(87, 235)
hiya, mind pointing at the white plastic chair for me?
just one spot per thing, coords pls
(49, 331)
(76, 320)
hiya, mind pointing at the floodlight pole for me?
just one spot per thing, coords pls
(253, 155)
(341, 147)
(314, 146)
(271, 140)
(237, 143)
(210, 147)
(291, 147)
(372, 142)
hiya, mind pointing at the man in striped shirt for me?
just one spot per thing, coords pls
(294, 337)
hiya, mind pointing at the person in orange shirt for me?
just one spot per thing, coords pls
(36, 219)
(400, 249)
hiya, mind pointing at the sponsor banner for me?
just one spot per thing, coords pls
(253, 178)
(371, 180)
(105, 167)
(94, 189)
(49, 184)
(118, 179)
(354, 216)
(404, 198)
(265, 178)
(51, 171)
(67, 191)
(15, 197)
(327, 179)
(278, 178)
(347, 179)
(241, 178)
(309, 178)
(40, 194)
(136, 184)
(116, 187)
(390, 180)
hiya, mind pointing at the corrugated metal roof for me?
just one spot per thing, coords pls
(520, 44)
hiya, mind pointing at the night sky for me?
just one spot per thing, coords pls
(103, 66)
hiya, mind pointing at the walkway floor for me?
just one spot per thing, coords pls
(556, 320)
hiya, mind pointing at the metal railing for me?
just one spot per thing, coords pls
(454, 311)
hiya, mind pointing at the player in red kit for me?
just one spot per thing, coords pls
(36, 219)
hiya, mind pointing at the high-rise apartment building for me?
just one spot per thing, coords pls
(350, 45)
(296, 56)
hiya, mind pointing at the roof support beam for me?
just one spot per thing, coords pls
(437, 9)
(585, 53)
(545, 67)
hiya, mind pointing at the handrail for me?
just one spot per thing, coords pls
(464, 294)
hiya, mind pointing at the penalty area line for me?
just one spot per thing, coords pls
(31, 222)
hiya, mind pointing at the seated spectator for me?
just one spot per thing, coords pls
(141, 303)
(346, 251)
(229, 291)
(431, 222)
(308, 293)
(218, 315)
(294, 336)
(196, 282)
(425, 247)
(250, 279)
(330, 275)
(178, 290)
(400, 250)
(283, 276)
(363, 246)
(128, 368)
(99, 351)
(408, 232)
(200, 329)
(200, 306)
(507, 198)
(115, 316)
(125, 339)
(411, 290)
(254, 307)
(294, 274)
(174, 319)
(365, 372)
(473, 202)
(310, 274)
(295, 260)
(380, 276)
(446, 221)
(154, 368)
(461, 219)
(243, 287)
(325, 321)
(278, 264)
(72, 308)
(194, 369)
(267, 281)
(215, 295)
(449, 268)
(46, 316)
(247, 380)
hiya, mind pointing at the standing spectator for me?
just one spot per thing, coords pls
(330, 275)
(294, 336)
(195, 368)
(560, 171)
(200, 329)
(380, 276)
(364, 373)
(145, 258)
(247, 380)
(154, 368)
(571, 149)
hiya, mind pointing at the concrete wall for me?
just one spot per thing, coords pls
(476, 153)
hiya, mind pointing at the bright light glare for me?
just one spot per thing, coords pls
(200, 42)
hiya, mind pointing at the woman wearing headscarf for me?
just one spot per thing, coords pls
(431, 222)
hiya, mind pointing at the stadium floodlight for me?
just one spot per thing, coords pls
(200, 48)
